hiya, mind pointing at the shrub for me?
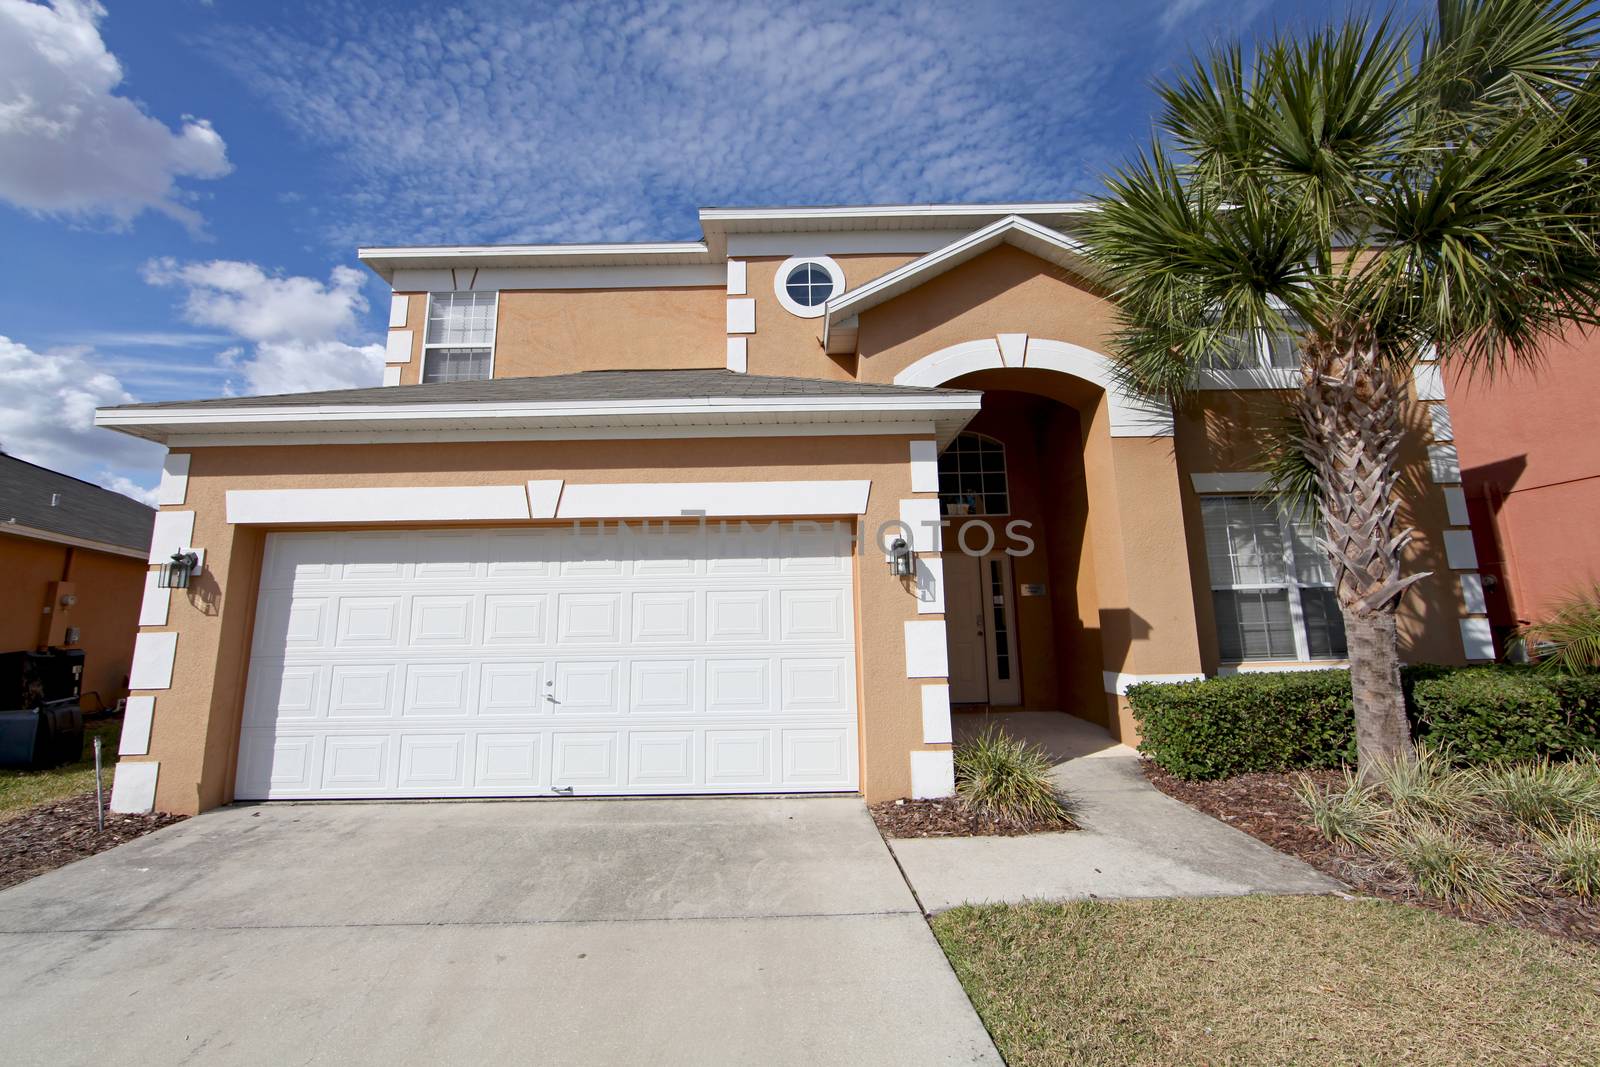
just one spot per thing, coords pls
(1488, 714)
(1543, 795)
(1574, 856)
(1569, 638)
(1247, 722)
(1449, 865)
(1007, 779)
(1353, 817)
(1428, 787)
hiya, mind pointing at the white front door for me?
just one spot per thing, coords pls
(517, 662)
(980, 630)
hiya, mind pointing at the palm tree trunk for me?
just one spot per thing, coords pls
(1350, 406)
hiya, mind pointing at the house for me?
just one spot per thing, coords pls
(74, 559)
(1530, 472)
(421, 589)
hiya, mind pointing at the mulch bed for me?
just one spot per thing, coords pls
(1265, 807)
(946, 817)
(53, 835)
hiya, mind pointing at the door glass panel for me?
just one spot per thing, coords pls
(1002, 638)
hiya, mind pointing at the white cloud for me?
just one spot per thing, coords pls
(48, 418)
(144, 494)
(298, 331)
(504, 122)
(68, 144)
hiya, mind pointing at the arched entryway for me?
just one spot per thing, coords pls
(1066, 562)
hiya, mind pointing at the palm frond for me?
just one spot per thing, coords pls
(1568, 639)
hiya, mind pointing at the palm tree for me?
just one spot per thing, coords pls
(1382, 192)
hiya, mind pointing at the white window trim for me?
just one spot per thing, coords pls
(427, 319)
(1005, 472)
(1292, 585)
(780, 288)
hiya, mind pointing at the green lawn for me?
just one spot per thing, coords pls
(1270, 980)
(20, 790)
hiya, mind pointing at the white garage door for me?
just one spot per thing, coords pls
(521, 662)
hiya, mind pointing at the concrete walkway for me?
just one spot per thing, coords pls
(1135, 840)
(704, 931)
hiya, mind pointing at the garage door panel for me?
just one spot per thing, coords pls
(361, 691)
(513, 688)
(442, 621)
(662, 686)
(437, 690)
(589, 619)
(511, 662)
(659, 758)
(516, 619)
(586, 759)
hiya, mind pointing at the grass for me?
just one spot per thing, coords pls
(20, 790)
(1544, 795)
(1269, 980)
(1004, 778)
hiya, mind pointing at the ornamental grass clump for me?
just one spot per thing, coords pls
(1352, 818)
(1428, 787)
(1573, 855)
(1003, 778)
(1447, 863)
(1543, 796)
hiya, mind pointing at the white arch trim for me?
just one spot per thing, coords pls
(1131, 415)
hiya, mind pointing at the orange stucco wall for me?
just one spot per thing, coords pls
(1530, 465)
(108, 590)
(195, 727)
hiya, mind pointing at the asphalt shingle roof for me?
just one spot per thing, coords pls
(82, 510)
(585, 386)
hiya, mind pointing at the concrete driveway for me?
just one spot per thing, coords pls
(630, 931)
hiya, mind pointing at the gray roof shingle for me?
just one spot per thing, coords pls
(82, 510)
(597, 385)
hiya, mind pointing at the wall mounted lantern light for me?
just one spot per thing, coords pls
(175, 575)
(902, 564)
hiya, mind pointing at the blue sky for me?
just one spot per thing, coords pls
(183, 183)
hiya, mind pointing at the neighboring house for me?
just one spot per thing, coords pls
(74, 561)
(1530, 468)
(394, 600)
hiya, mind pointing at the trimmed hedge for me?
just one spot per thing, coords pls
(1246, 722)
(1305, 719)
(1485, 714)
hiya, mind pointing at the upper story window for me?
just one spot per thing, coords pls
(459, 345)
(805, 284)
(1271, 583)
(1263, 349)
(972, 477)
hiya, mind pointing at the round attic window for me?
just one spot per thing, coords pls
(805, 284)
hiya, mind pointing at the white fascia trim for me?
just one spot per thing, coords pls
(657, 500)
(946, 429)
(923, 522)
(153, 656)
(544, 495)
(1229, 482)
(399, 309)
(890, 211)
(157, 601)
(618, 276)
(173, 531)
(1477, 640)
(137, 715)
(926, 654)
(935, 715)
(133, 790)
(738, 355)
(1282, 667)
(33, 533)
(1031, 237)
(386, 262)
(450, 503)
(1248, 378)
(930, 585)
(397, 347)
(1118, 683)
(924, 466)
(391, 374)
(933, 774)
(174, 485)
(676, 411)
(842, 243)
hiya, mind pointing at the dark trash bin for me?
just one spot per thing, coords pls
(44, 736)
